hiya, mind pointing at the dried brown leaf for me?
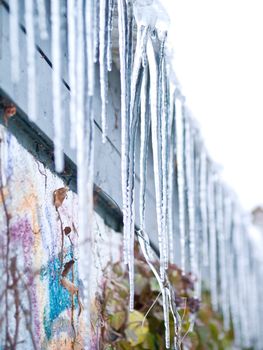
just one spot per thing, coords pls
(69, 286)
(59, 196)
(67, 267)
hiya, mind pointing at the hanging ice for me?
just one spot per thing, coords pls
(31, 69)
(103, 56)
(171, 165)
(212, 241)
(189, 155)
(208, 214)
(109, 33)
(56, 85)
(203, 205)
(181, 177)
(123, 42)
(221, 232)
(14, 39)
(145, 132)
(71, 21)
(154, 96)
(90, 11)
(136, 81)
(42, 20)
(163, 145)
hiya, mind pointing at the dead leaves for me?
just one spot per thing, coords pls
(59, 195)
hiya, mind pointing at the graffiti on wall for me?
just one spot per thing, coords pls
(40, 287)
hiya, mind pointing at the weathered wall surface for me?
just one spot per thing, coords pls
(37, 309)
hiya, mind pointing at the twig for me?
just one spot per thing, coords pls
(147, 313)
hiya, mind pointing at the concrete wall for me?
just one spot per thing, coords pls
(37, 311)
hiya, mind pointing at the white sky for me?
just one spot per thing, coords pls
(218, 58)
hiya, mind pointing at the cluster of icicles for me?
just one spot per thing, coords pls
(191, 201)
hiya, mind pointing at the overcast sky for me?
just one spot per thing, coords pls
(218, 58)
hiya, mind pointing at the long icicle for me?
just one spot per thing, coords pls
(189, 160)
(103, 55)
(145, 133)
(71, 19)
(14, 39)
(227, 231)
(42, 19)
(156, 156)
(56, 85)
(153, 68)
(198, 217)
(31, 68)
(222, 257)
(109, 31)
(84, 125)
(171, 166)
(123, 42)
(163, 125)
(181, 177)
(136, 81)
(212, 241)
(203, 206)
(90, 10)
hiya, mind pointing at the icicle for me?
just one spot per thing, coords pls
(171, 165)
(80, 126)
(212, 241)
(96, 30)
(90, 10)
(71, 18)
(222, 254)
(234, 288)
(56, 84)
(154, 95)
(190, 194)
(84, 145)
(136, 81)
(227, 232)
(122, 24)
(145, 133)
(181, 177)
(197, 151)
(103, 55)
(42, 21)
(14, 39)
(203, 205)
(163, 145)
(168, 303)
(31, 69)
(109, 30)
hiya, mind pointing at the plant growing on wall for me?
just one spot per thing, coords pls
(116, 328)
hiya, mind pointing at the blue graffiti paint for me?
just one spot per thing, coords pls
(59, 297)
